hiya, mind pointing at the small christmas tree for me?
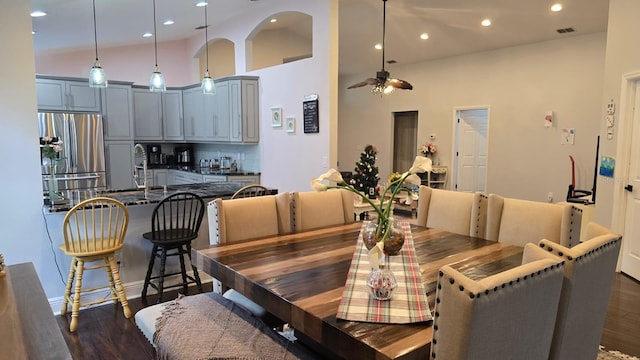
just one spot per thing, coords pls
(366, 176)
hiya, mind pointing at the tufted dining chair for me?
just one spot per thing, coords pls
(93, 231)
(316, 209)
(475, 319)
(453, 211)
(588, 277)
(246, 219)
(517, 222)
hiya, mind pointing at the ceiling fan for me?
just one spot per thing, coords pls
(382, 83)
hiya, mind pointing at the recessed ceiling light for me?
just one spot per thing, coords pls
(424, 36)
(201, 3)
(168, 22)
(273, 20)
(147, 34)
(378, 46)
(556, 7)
(38, 13)
(486, 22)
(33, 32)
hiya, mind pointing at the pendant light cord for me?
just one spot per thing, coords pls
(384, 29)
(155, 42)
(206, 35)
(95, 31)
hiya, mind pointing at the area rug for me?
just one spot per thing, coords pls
(604, 354)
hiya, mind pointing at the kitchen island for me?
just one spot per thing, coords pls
(133, 259)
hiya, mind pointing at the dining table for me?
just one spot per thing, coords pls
(300, 278)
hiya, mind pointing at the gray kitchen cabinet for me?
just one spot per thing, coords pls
(117, 105)
(160, 177)
(244, 110)
(147, 115)
(219, 111)
(119, 164)
(231, 115)
(198, 125)
(172, 115)
(247, 179)
(67, 95)
(214, 178)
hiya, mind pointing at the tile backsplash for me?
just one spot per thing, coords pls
(247, 156)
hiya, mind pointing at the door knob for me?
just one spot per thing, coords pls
(629, 188)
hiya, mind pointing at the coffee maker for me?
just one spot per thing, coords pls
(184, 155)
(153, 152)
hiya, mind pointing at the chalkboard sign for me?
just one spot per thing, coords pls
(310, 114)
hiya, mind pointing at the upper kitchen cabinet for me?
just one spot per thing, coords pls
(147, 114)
(231, 115)
(197, 127)
(158, 116)
(218, 111)
(66, 95)
(244, 110)
(117, 105)
(172, 115)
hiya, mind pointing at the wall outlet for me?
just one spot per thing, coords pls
(550, 197)
(118, 256)
(611, 108)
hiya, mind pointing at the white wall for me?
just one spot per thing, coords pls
(20, 213)
(519, 84)
(622, 57)
(125, 63)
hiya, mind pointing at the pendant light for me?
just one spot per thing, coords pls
(156, 83)
(97, 77)
(208, 85)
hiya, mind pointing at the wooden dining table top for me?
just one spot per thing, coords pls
(300, 279)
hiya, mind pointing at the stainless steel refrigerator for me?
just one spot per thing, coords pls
(82, 165)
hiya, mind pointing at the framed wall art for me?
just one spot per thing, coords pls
(276, 116)
(290, 123)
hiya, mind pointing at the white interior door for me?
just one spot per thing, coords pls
(631, 241)
(471, 150)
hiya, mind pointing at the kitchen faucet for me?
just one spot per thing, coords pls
(143, 167)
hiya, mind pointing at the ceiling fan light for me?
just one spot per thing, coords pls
(208, 85)
(388, 90)
(97, 76)
(156, 82)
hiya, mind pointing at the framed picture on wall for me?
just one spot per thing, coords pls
(276, 116)
(291, 124)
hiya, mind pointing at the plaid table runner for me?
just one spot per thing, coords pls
(409, 301)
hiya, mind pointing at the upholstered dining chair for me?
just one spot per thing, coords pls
(93, 231)
(517, 222)
(316, 209)
(175, 222)
(453, 211)
(475, 319)
(588, 276)
(251, 218)
(251, 190)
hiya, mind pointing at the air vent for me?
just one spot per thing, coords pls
(565, 30)
(391, 61)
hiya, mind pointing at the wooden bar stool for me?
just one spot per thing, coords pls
(93, 231)
(175, 222)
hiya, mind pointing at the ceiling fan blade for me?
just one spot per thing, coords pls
(369, 81)
(400, 84)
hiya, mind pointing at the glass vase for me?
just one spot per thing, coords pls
(381, 282)
(52, 185)
(393, 238)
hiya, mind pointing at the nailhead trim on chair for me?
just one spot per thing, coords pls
(590, 252)
(474, 296)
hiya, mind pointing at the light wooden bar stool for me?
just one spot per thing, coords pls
(93, 231)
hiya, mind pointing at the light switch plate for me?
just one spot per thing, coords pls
(611, 107)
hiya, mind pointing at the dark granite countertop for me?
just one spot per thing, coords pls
(203, 171)
(137, 197)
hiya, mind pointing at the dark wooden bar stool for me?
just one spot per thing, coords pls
(175, 222)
